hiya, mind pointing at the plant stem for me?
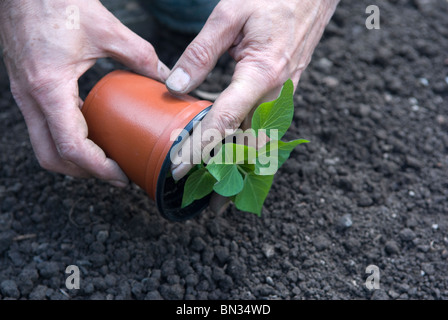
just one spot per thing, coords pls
(244, 172)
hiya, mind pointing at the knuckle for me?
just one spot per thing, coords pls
(272, 69)
(224, 13)
(227, 121)
(41, 84)
(200, 54)
(67, 150)
(272, 72)
(147, 55)
(37, 82)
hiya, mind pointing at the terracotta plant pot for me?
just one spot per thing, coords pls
(131, 118)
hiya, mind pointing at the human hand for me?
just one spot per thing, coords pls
(271, 42)
(45, 58)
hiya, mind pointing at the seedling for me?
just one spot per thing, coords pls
(243, 172)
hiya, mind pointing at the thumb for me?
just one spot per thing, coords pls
(248, 87)
(136, 53)
(200, 57)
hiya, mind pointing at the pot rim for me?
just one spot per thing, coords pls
(178, 214)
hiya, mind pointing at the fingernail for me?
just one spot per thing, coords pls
(178, 81)
(118, 183)
(181, 170)
(163, 71)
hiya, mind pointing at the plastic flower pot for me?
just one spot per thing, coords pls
(132, 117)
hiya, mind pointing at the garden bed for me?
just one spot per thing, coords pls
(371, 188)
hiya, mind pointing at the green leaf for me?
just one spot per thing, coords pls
(230, 181)
(276, 114)
(231, 153)
(224, 167)
(273, 155)
(247, 168)
(199, 184)
(254, 193)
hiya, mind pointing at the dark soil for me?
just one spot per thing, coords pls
(370, 189)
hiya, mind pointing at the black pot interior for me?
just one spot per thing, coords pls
(169, 192)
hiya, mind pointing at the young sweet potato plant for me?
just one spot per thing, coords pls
(243, 172)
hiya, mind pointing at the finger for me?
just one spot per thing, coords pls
(247, 89)
(60, 107)
(200, 57)
(43, 145)
(135, 52)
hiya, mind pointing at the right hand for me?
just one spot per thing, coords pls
(45, 58)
